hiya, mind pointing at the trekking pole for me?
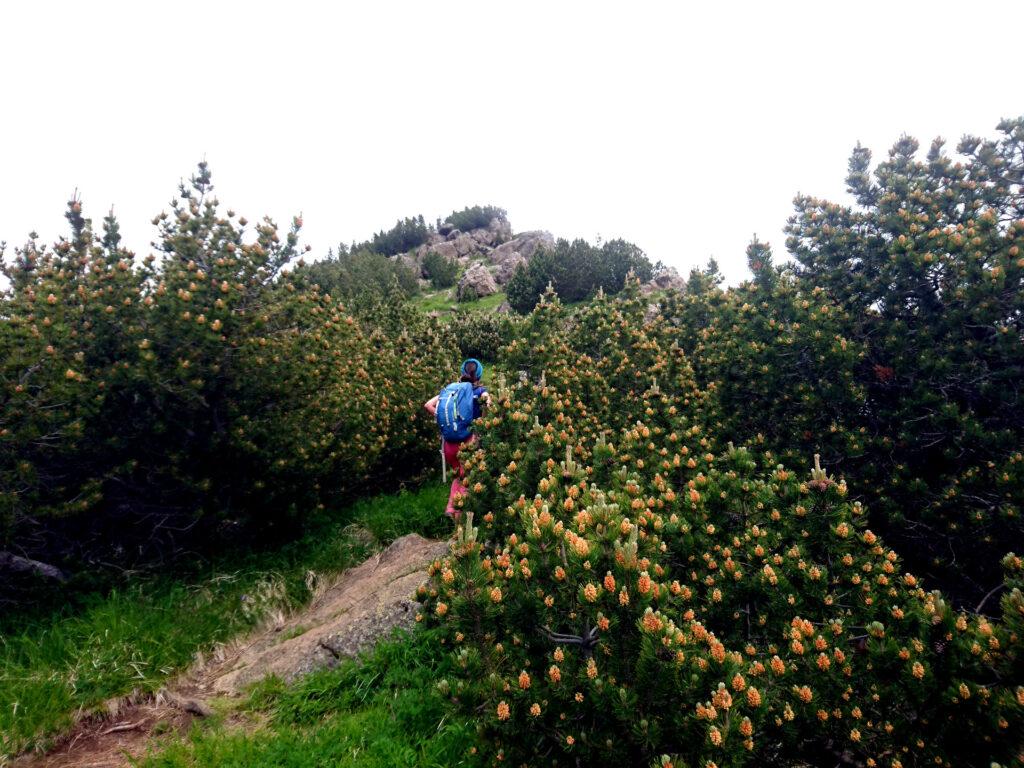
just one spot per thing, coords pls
(444, 467)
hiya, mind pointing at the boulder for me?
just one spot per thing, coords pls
(465, 245)
(453, 233)
(504, 270)
(476, 283)
(483, 236)
(411, 262)
(670, 279)
(524, 244)
(446, 249)
(501, 230)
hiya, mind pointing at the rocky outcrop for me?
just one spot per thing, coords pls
(498, 254)
(483, 237)
(502, 230)
(476, 282)
(669, 279)
(465, 245)
(446, 249)
(525, 244)
(505, 258)
(461, 246)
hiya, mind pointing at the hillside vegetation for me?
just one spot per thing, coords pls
(777, 523)
(680, 527)
(205, 396)
(138, 636)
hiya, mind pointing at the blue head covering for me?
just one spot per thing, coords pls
(479, 368)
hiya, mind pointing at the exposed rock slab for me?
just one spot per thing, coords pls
(362, 607)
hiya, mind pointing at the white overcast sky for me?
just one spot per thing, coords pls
(683, 127)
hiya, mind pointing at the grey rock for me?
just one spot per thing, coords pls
(669, 278)
(447, 249)
(504, 270)
(525, 244)
(483, 237)
(476, 283)
(363, 606)
(465, 245)
(502, 230)
(410, 262)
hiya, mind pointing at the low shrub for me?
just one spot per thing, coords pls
(481, 334)
(441, 272)
(205, 392)
(473, 217)
(407, 234)
(577, 271)
(624, 592)
(360, 275)
(892, 346)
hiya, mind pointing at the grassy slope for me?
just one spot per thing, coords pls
(443, 301)
(134, 639)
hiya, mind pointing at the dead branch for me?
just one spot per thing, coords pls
(123, 727)
(12, 562)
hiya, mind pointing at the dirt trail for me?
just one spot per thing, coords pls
(363, 605)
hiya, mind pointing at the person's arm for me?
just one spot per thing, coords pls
(481, 401)
(431, 405)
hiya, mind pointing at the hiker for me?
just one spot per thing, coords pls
(455, 408)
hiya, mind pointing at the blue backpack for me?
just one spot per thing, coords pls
(455, 411)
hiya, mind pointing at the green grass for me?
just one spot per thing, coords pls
(487, 302)
(443, 301)
(134, 638)
(383, 710)
(440, 301)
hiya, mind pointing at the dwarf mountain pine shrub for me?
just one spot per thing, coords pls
(894, 347)
(623, 591)
(206, 389)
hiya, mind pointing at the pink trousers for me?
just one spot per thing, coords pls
(451, 455)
